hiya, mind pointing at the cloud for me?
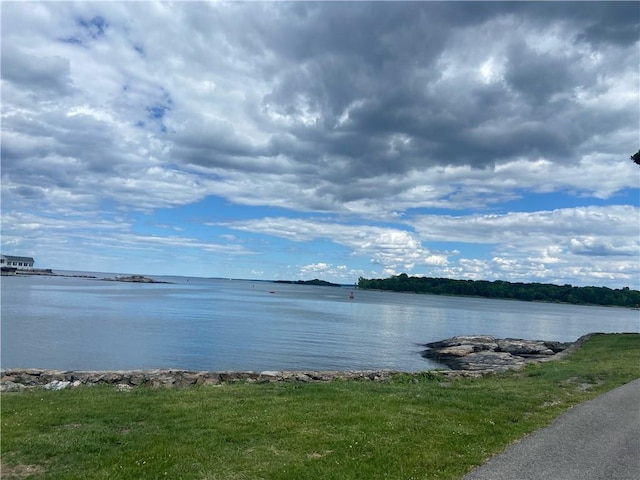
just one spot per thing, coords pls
(597, 247)
(618, 221)
(582, 245)
(396, 250)
(356, 104)
(328, 270)
(36, 74)
(104, 241)
(371, 113)
(587, 243)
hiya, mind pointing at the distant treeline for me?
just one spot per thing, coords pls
(320, 283)
(543, 292)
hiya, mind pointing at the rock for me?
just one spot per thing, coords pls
(186, 379)
(490, 361)
(133, 279)
(483, 342)
(57, 385)
(457, 351)
(523, 347)
(27, 379)
(162, 381)
(486, 353)
(10, 386)
(211, 378)
(557, 347)
(137, 378)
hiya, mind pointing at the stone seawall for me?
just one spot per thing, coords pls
(19, 379)
(511, 354)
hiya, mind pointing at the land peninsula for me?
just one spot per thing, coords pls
(541, 292)
(317, 282)
(133, 279)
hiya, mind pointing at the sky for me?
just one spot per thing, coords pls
(301, 140)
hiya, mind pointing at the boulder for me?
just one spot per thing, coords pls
(11, 386)
(457, 351)
(486, 353)
(523, 347)
(482, 342)
(57, 385)
(557, 347)
(490, 361)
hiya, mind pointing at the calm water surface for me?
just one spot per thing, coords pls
(212, 324)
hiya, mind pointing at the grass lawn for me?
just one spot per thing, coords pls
(401, 429)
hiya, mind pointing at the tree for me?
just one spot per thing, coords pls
(500, 289)
(636, 157)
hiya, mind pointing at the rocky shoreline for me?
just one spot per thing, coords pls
(484, 352)
(468, 356)
(47, 272)
(133, 279)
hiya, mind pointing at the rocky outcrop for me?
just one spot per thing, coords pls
(133, 279)
(484, 352)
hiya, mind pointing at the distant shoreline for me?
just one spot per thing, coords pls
(502, 290)
(317, 282)
(133, 279)
(363, 284)
(47, 272)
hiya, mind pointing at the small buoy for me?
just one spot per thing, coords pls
(351, 296)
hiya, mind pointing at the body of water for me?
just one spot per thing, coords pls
(213, 324)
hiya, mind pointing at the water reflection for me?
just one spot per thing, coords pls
(204, 324)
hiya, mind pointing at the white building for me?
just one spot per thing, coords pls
(21, 263)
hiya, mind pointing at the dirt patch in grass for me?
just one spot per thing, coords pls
(20, 471)
(316, 455)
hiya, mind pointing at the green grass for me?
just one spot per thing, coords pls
(432, 429)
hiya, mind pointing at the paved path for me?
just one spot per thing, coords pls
(596, 440)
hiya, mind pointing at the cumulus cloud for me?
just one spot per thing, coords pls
(617, 221)
(363, 111)
(36, 74)
(395, 249)
(340, 273)
(589, 243)
(359, 103)
(586, 243)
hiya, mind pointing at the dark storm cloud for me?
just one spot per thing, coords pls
(607, 22)
(539, 75)
(596, 21)
(364, 82)
(328, 58)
